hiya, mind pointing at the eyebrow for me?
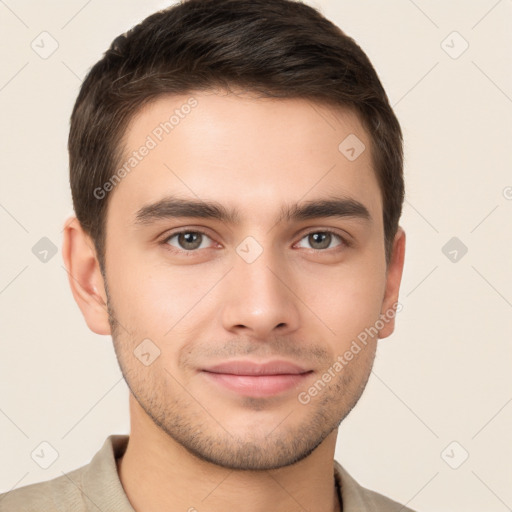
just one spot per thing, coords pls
(176, 207)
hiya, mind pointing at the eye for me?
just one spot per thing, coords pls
(187, 241)
(320, 240)
(190, 241)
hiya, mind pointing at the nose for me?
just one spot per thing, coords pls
(260, 300)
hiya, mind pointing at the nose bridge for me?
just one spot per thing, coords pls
(259, 298)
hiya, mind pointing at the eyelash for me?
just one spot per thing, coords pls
(174, 250)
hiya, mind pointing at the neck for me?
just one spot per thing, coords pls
(158, 474)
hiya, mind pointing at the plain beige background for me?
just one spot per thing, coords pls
(441, 387)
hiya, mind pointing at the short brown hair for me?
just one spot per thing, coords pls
(278, 48)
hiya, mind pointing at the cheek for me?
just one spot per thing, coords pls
(157, 300)
(153, 298)
(347, 301)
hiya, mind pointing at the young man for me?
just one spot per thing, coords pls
(236, 172)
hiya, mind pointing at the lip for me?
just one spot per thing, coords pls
(241, 367)
(257, 379)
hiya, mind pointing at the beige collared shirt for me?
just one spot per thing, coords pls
(96, 487)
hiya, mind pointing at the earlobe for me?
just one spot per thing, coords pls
(390, 304)
(84, 276)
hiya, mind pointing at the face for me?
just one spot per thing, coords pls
(228, 315)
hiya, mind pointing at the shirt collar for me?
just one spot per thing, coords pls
(101, 485)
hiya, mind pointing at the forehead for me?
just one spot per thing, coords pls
(255, 154)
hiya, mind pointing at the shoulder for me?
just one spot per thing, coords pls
(91, 487)
(58, 494)
(358, 498)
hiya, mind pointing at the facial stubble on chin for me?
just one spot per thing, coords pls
(207, 439)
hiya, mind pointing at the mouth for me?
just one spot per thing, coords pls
(255, 379)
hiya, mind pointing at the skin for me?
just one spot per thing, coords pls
(194, 443)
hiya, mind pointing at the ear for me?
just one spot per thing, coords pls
(390, 304)
(84, 276)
